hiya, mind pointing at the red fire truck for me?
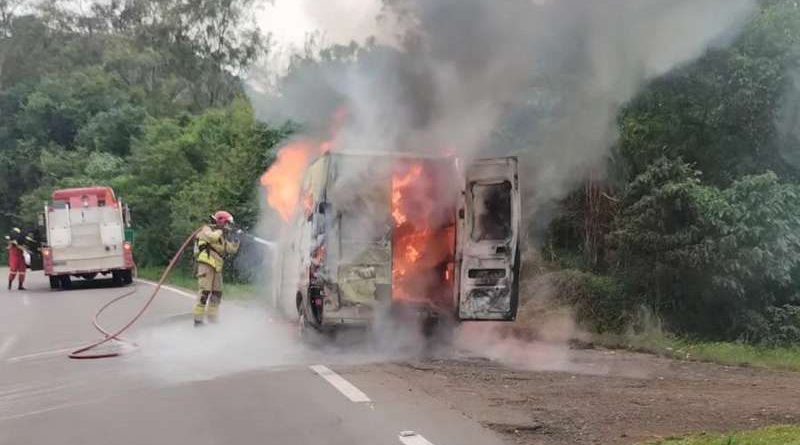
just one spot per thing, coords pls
(85, 237)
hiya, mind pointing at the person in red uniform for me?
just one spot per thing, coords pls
(16, 259)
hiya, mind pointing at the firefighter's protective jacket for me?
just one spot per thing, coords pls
(213, 247)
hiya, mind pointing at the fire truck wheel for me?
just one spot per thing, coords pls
(116, 279)
(65, 282)
(54, 282)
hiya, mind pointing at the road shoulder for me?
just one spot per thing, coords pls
(625, 398)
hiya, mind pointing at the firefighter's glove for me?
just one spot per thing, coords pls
(234, 236)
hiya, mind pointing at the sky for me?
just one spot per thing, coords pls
(340, 21)
(290, 21)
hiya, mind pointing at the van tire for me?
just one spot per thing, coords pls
(309, 335)
(55, 283)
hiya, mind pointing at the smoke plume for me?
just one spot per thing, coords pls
(541, 79)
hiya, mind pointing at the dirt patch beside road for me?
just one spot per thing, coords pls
(607, 397)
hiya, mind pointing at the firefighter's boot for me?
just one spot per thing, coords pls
(21, 285)
(213, 307)
(11, 277)
(200, 309)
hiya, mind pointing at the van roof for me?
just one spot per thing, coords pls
(387, 154)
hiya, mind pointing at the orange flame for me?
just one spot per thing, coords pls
(400, 185)
(283, 180)
(423, 248)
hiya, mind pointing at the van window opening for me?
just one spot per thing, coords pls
(491, 212)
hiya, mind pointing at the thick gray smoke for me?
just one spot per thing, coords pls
(540, 79)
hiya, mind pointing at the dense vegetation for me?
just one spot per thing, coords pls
(145, 96)
(699, 220)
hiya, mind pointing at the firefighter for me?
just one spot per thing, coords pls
(16, 259)
(214, 241)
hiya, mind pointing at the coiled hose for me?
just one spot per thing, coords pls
(81, 353)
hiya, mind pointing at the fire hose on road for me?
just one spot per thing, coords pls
(83, 352)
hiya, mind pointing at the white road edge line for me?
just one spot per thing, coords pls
(53, 353)
(413, 439)
(52, 408)
(180, 292)
(338, 382)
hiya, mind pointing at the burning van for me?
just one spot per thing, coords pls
(377, 231)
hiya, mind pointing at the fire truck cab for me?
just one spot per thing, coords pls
(85, 237)
(378, 230)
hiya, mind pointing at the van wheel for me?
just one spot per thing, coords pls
(127, 277)
(54, 282)
(305, 331)
(309, 335)
(302, 326)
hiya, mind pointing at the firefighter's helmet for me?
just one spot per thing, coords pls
(223, 218)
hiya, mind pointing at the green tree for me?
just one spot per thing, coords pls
(709, 259)
(112, 97)
(719, 113)
(708, 172)
(182, 172)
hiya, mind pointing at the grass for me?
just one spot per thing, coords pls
(183, 279)
(735, 354)
(779, 435)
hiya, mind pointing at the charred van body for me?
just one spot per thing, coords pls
(378, 232)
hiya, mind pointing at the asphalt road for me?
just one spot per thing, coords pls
(245, 381)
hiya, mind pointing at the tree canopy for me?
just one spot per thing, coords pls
(145, 96)
(705, 178)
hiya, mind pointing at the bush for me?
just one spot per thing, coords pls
(776, 327)
(599, 302)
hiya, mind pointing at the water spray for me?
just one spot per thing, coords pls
(270, 244)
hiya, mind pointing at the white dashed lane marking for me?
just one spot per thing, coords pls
(338, 382)
(411, 438)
